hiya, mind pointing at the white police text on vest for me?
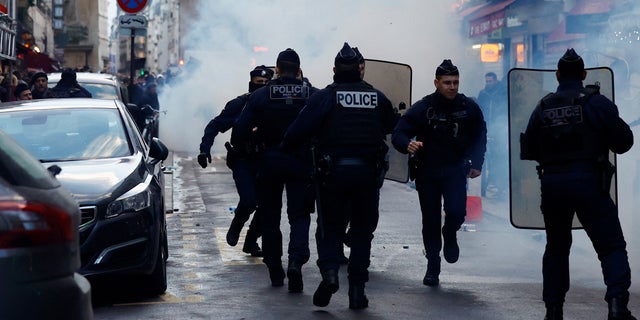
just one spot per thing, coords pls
(357, 99)
(289, 91)
(562, 115)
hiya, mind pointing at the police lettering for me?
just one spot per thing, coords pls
(563, 115)
(357, 99)
(289, 91)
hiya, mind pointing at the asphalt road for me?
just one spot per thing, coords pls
(497, 277)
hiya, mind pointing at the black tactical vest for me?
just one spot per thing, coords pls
(354, 122)
(285, 102)
(565, 132)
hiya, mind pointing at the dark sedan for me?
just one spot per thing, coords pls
(113, 174)
(39, 251)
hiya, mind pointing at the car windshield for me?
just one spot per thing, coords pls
(98, 90)
(68, 134)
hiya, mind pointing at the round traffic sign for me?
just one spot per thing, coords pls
(132, 6)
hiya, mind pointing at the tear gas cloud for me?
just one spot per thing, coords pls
(417, 33)
(223, 38)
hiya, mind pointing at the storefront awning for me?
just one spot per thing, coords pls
(587, 14)
(39, 61)
(488, 18)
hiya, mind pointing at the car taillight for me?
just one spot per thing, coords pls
(33, 224)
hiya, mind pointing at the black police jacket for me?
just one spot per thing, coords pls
(568, 126)
(223, 122)
(451, 131)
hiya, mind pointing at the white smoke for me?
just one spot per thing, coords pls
(418, 33)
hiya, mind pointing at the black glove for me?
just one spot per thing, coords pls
(203, 157)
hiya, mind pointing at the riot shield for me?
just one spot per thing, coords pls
(394, 80)
(526, 88)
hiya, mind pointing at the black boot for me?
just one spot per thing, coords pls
(431, 278)
(450, 249)
(276, 274)
(294, 273)
(357, 298)
(234, 231)
(553, 313)
(618, 309)
(327, 287)
(251, 244)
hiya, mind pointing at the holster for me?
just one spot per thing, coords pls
(608, 170)
(413, 166)
(232, 155)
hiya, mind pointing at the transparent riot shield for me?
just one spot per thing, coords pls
(526, 88)
(394, 80)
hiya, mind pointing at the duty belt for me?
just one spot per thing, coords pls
(569, 167)
(351, 161)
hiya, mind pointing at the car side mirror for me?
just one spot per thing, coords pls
(158, 150)
(54, 170)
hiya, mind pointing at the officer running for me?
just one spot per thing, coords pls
(266, 117)
(241, 163)
(570, 134)
(348, 121)
(451, 138)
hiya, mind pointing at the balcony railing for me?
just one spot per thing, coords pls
(7, 37)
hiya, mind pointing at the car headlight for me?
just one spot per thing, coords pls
(129, 203)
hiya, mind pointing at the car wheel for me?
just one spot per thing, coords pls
(158, 279)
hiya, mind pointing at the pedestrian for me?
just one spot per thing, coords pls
(449, 146)
(22, 92)
(264, 120)
(347, 121)
(572, 150)
(242, 165)
(493, 103)
(68, 86)
(40, 86)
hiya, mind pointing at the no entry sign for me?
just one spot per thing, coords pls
(132, 6)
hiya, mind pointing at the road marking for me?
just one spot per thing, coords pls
(233, 256)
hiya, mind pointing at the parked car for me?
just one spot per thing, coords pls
(113, 174)
(39, 248)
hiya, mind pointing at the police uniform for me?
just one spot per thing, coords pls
(242, 165)
(270, 110)
(348, 121)
(453, 134)
(570, 134)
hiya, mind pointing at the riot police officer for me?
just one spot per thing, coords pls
(348, 121)
(265, 118)
(241, 164)
(450, 143)
(570, 134)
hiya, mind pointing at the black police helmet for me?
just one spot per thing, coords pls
(288, 55)
(571, 65)
(346, 56)
(446, 68)
(261, 71)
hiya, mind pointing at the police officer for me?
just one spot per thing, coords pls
(450, 143)
(241, 164)
(268, 113)
(570, 134)
(348, 121)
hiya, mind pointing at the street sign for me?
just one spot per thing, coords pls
(133, 21)
(126, 32)
(132, 6)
